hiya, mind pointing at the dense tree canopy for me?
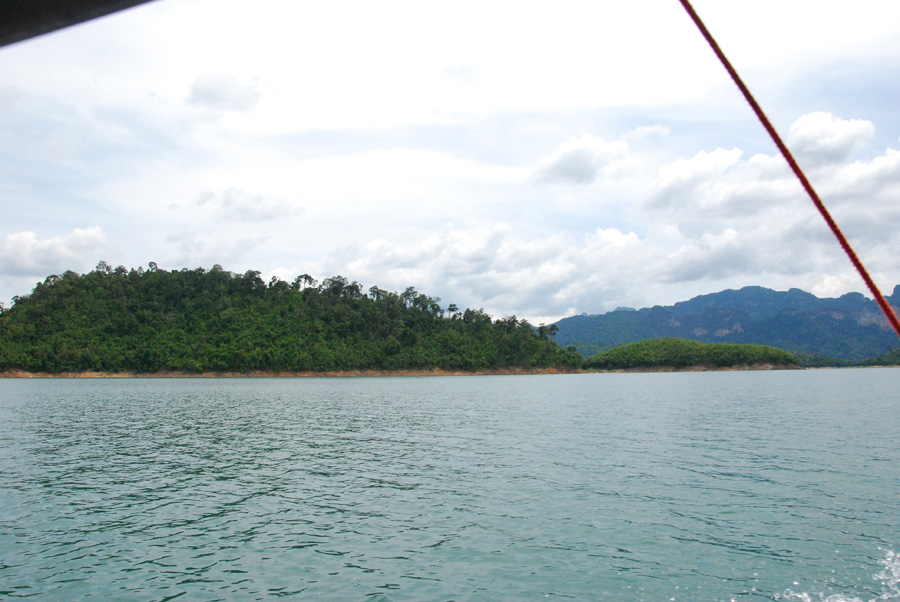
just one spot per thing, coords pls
(680, 353)
(115, 319)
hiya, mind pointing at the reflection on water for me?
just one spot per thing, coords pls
(594, 487)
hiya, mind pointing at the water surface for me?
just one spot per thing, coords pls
(706, 486)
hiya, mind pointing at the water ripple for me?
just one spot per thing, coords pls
(596, 487)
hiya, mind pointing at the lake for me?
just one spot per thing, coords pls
(620, 487)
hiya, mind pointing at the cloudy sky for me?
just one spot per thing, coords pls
(537, 159)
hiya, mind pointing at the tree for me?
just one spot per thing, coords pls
(302, 282)
(198, 320)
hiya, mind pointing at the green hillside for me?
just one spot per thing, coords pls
(680, 353)
(119, 320)
(891, 358)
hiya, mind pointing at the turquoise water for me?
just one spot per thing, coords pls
(708, 486)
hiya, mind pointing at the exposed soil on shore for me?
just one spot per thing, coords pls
(265, 374)
(435, 372)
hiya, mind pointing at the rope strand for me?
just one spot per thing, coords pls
(879, 298)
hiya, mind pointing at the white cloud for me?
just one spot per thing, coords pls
(721, 189)
(23, 254)
(501, 272)
(686, 174)
(696, 194)
(648, 131)
(821, 138)
(385, 133)
(750, 219)
(876, 180)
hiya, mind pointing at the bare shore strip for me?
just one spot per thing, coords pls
(371, 373)
(285, 374)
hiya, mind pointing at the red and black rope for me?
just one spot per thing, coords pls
(882, 302)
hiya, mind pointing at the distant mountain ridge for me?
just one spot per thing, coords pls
(850, 327)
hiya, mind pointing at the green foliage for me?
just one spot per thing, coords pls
(680, 353)
(891, 358)
(117, 320)
(814, 360)
(588, 349)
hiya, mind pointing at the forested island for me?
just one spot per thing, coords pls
(680, 354)
(116, 320)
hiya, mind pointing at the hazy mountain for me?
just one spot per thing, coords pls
(850, 327)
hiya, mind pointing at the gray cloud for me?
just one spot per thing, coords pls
(580, 160)
(240, 205)
(9, 96)
(225, 93)
(713, 257)
(194, 250)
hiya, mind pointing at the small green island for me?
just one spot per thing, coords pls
(681, 354)
(121, 322)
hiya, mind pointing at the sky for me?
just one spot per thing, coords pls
(531, 159)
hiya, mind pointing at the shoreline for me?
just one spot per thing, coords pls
(290, 374)
(23, 374)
